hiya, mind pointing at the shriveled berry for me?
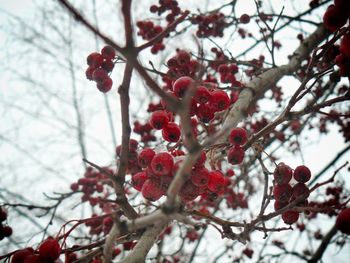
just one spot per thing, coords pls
(282, 173)
(238, 136)
(171, 132)
(302, 174)
(108, 52)
(145, 157)
(300, 189)
(282, 192)
(235, 155)
(181, 85)
(152, 189)
(216, 182)
(290, 217)
(159, 119)
(162, 163)
(138, 179)
(50, 249)
(343, 221)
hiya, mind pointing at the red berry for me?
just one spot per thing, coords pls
(343, 221)
(35, 258)
(244, 19)
(300, 189)
(202, 95)
(20, 255)
(145, 157)
(106, 85)
(152, 189)
(183, 58)
(108, 65)
(50, 250)
(133, 145)
(3, 215)
(216, 182)
(221, 101)
(302, 174)
(235, 155)
(99, 75)
(238, 136)
(282, 174)
(171, 132)
(153, 8)
(181, 85)
(88, 73)
(279, 205)
(74, 187)
(223, 69)
(200, 177)
(162, 163)
(108, 52)
(94, 60)
(342, 4)
(345, 45)
(188, 192)
(248, 252)
(334, 18)
(159, 119)
(205, 112)
(138, 179)
(289, 217)
(282, 192)
(7, 231)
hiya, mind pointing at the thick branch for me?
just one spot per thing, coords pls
(259, 85)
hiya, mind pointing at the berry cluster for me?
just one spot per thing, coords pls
(159, 169)
(100, 65)
(227, 74)
(145, 131)
(237, 138)
(180, 65)
(91, 183)
(284, 193)
(5, 231)
(334, 18)
(210, 25)
(148, 30)
(167, 5)
(48, 251)
(99, 224)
